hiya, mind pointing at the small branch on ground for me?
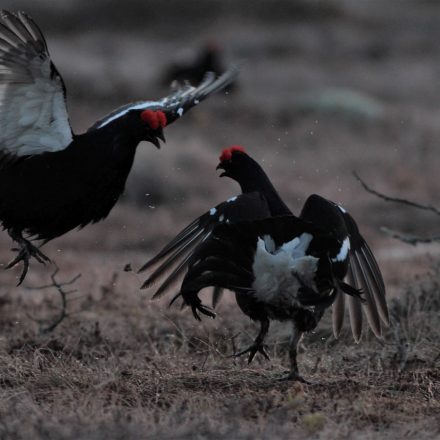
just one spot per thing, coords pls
(382, 196)
(406, 238)
(63, 293)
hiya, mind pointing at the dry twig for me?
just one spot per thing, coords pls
(63, 293)
(382, 196)
(406, 238)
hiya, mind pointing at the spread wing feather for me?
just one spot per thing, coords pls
(33, 114)
(358, 262)
(179, 101)
(368, 271)
(173, 258)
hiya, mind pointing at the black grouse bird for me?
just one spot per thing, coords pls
(193, 66)
(279, 266)
(51, 179)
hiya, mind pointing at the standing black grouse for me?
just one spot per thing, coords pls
(194, 66)
(280, 266)
(52, 180)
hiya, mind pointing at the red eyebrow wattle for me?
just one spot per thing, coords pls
(227, 152)
(154, 119)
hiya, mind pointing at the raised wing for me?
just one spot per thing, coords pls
(364, 273)
(174, 257)
(178, 102)
(33, 115)
(227, 258)
(355, 259)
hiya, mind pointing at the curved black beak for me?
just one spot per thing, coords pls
(155, 142)
(161, 136)
(158, 136)
(221, 166)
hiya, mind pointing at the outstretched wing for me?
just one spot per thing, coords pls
(33, 115)
(354, 259)
(227, 258)
(173, 258)
(364, 273)
(178, 102)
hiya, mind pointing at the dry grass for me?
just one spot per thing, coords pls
(129, 368)
(122, 367)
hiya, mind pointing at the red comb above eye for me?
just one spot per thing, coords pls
(162, 119)
(227, 152)
(154, 119)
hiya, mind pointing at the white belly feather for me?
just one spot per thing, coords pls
(275, 283)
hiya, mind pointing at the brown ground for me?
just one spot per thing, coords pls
(328, 87)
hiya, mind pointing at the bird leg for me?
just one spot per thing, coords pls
(257, 346)
(293, 351)
(25, 252)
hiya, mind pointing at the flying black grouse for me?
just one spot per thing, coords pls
(280, 266)
(52, 180)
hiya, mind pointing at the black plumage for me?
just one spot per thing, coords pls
(51, 179)
(219, 249)
(193, 66)
(280, 268)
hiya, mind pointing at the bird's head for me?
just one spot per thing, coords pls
(239, 166)
(153, 123)
(233, 162)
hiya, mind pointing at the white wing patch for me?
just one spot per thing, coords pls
(178, 102)
(275, 282)
(33, 118)
(33, 115)
(342, 209)
(174, 99)
(343, 252)
(144, 105)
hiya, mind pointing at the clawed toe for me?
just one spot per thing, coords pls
(17, 259)
(205, 310)
(294, 377)
(25, 253)
(253, 350)
(40, 257)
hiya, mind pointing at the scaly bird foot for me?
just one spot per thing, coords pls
(253, 350)
(294, 376)
(26, 251)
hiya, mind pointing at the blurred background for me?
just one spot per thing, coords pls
(327, 88)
